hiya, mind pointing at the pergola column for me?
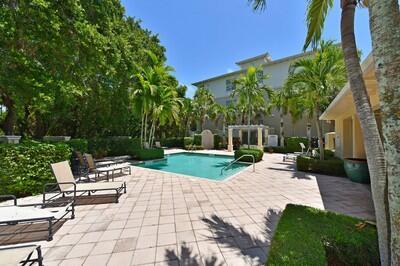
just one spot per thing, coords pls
(266, 135)
(230, 141)
(240, 136)
(260, 139)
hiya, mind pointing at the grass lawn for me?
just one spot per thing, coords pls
(308, 236)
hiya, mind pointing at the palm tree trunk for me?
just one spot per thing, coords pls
(319, 133)
(282, 132)
(385, 31)
(372, 141)
(145, 128)
(248, 129)
(141, 130)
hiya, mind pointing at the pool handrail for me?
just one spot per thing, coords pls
(244, 155)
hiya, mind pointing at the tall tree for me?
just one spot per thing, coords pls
(315, 81)
(203, 105)
(316, 14)
(385, 31)
(250, 91)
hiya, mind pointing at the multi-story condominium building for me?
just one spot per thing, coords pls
(221, 87)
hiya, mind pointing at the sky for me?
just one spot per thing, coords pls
(204, 38)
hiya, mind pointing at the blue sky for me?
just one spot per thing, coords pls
(204, 38)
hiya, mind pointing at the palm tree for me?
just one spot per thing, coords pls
(226, 114)
(165, 109)
(250, 91)
(203, 105)
(150, 82)
(385, 32)
(315, 81)
(316, 14)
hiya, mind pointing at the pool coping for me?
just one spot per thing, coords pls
(195, 177)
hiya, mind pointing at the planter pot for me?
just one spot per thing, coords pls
(357, 170)
(56, 138)
(10, 139)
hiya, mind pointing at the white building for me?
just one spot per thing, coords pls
(277, 70)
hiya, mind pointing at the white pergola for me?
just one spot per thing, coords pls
(259, 129)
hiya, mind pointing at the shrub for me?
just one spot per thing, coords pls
(188, 141)
(328, 167)
(177, 142)
(101, 147)
(25, 167)
(149, 154)
(197, 139)
(194, 147)
(217, 141)
(80, 145)
(258, 154)
(277, 149)
(118, 147)
(308, 236)
(292, 144)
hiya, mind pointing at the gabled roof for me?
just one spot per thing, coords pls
(251, 59)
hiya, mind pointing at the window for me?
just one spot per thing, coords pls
(230, 85)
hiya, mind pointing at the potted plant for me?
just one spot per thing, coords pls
(270, 150)
(357, 170)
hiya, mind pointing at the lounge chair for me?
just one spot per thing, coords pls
(34, 213)
(21, 255)
(158, 145)
(293, 156)
(66, 183)
(107, 167)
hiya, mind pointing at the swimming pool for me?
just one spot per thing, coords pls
(196, 164)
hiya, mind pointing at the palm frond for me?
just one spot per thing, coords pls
(258, 4)
(316, 15)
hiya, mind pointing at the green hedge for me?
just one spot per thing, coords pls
(149, 154)
(188, 141)
(194, 147)
(101, 147)
(309, 236)
(197, 139)
(258, 154)
(333, 166)
(25, 167)
(292, 144)
(177, 142)
(81, 145)
(277, 149)
(217, 141)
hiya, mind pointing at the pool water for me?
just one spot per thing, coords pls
(196, 164)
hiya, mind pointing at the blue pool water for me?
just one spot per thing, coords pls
(195, 164)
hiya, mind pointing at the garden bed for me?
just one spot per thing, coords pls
(308, 236)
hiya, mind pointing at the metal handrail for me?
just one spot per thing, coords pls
(244, 155)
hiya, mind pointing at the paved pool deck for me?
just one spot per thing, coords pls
(170, 219)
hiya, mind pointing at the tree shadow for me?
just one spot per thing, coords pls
(253, 245)
(187, 257)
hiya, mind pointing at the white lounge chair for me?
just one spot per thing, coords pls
(21, 255)
(158, 145)
(293, 156)
(107, 167)
(66, 183)
(32, 214)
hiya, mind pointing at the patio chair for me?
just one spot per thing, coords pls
(29, 214)
(158, 145)
(67, 185)
(293, 156)
(21, 255)
(106, 167)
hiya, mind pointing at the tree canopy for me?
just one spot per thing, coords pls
(68, 67)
